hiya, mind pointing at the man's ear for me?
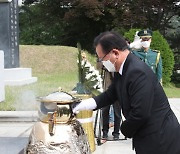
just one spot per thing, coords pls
(115, 51)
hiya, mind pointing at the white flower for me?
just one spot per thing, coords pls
(88, 76)
(96, 72)
(91, 69)
(87, 64)
(95, 86)
(91, 76)
(100, 90)
(99, 78)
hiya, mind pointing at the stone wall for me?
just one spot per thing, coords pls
(2, 90)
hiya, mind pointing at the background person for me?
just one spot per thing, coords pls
(151, 57)
(108, 116)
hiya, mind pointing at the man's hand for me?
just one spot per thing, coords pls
(87, 104)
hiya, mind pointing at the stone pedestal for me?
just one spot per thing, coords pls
(18, 76)
(2, 90)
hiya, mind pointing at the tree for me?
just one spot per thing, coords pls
(154, 14)
(78, 21)
(66, 22)
(82, 22)
(41, 24)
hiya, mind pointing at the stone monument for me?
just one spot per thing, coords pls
(2, 91)
(9, 43)
(9, 30)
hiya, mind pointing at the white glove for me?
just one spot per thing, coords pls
(136, 44)
(87, 104)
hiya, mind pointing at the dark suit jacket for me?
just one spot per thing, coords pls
(143, 101)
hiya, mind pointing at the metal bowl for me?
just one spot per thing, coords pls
(57, 107)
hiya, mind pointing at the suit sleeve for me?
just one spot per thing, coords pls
(106, 98)
(141, 95)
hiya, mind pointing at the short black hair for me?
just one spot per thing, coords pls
(110, 40)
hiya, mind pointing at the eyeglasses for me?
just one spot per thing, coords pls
(146, 38)
(101, 59)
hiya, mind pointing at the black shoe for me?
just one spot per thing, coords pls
(115, 138)
(105, 136)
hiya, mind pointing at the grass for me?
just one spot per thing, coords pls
(55, 66)
(172, 91)
(24, 97)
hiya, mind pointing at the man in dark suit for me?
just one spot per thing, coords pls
(149, 119)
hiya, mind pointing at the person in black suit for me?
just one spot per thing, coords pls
(149, 120)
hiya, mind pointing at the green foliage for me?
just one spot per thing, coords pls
(130, 34)
(80, 70)
(174, 37)
(66, 22)
(176, 78)
(37, 26)
(159, 43)
(119, 30)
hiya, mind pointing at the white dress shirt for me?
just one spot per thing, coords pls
(121, 68)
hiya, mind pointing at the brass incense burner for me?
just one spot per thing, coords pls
(58, 131)
(56, 108)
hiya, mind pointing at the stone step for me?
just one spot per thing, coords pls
(18, 116)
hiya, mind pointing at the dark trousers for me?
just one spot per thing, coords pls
(117, 118)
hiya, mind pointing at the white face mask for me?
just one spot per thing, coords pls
(145, 44)
(109, 66)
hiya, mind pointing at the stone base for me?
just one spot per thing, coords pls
(18, 116)
(18, 76)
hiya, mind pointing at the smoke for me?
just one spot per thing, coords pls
(26, 101)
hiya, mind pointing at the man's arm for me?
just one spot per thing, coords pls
(107, 97)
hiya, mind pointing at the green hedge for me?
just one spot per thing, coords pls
(159, 43)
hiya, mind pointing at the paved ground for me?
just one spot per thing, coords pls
(15, 128)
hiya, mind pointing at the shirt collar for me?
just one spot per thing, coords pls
(121, 68)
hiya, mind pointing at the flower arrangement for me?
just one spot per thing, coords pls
(90, 81)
